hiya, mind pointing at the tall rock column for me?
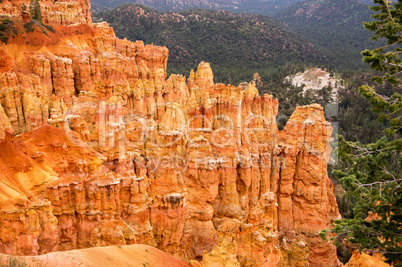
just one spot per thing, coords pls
(305, 193)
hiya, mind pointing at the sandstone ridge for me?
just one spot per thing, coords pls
(100, 148)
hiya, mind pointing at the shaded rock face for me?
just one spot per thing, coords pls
(110, 152)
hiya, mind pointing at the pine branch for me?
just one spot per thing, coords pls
(381, 183)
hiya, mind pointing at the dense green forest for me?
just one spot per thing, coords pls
(236, 45)
(245, 6)
(335, 26)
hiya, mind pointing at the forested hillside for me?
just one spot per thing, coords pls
(334, 25)
(352, 113)
(236, 45)
(248, 6)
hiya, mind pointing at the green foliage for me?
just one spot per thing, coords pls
(388, 25)
(339, 21)
(50, 28)
(34, 10)
(372, 172)
(44, 32)
(13, 262)
(355, 120)
(6, 27)
(29, 26)
(251, 6)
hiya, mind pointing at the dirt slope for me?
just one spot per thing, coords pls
(132, 255)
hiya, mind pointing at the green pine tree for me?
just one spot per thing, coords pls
(373, 171)
(34, 10)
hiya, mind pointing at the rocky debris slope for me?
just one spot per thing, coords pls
(316, 79)
(110, 152)
(132, 255)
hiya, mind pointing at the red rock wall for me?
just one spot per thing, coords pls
(109, 152)
(62, 12)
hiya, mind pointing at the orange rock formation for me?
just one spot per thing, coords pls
(109, 152)
(365, 260)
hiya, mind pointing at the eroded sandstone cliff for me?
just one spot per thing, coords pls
(99, 148)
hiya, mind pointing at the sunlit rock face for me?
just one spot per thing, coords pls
(364, 260)
(99, 147)
(60, 12)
